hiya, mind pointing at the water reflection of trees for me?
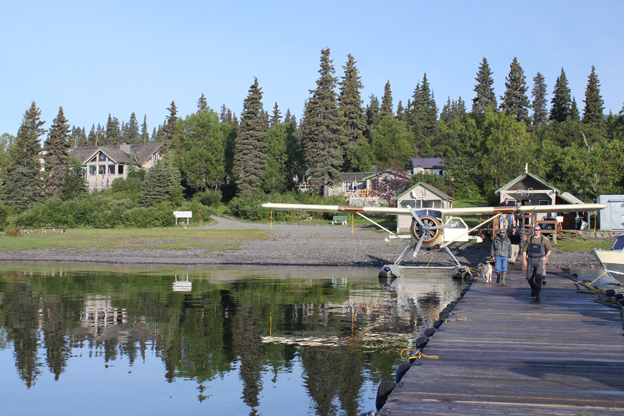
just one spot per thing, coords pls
(206, 333)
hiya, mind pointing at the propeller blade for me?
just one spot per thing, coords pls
(413, 212)
(417, 249)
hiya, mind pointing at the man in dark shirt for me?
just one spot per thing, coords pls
(536, 251)
(516, 240)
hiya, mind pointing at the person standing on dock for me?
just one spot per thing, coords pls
(505, 219)
(501, 251)
(535, 253)
(516, 239)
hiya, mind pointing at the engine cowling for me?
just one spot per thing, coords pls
(430, 237)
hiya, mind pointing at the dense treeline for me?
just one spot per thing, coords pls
(580, 151)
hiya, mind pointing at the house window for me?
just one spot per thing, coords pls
(91, 170)
(432, 204)
(412, 203)
(102, 157)
(101, 170)
(543, 202)
(120, 169)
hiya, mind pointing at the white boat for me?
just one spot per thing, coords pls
(613, 260)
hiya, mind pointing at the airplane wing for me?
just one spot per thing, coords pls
(445, 211)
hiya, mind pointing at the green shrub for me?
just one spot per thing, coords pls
(12, 231)
(201, 213)
(249, 208)
(210, 198)
(4, 214)
(137, 174)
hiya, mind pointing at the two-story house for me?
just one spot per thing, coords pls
(103, 164)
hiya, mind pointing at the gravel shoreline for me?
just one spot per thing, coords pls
(291, 244)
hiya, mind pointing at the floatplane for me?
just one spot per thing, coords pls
(434, 228)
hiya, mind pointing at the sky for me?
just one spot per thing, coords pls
(96, 58)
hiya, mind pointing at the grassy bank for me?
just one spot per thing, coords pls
(132, 239)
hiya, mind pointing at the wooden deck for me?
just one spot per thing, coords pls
(562, 356)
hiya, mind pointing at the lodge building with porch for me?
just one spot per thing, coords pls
(101, 165)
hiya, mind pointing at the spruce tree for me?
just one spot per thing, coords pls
(131, 131)
(354, 119)
(92, 138)
(561, 103)
(449, 111)
(224, 114)
(515, 101)
(594, 105)
(386, 101)
(575, 115)
(294, 150)
(250, 157)
(56, 154)
(423, 120)
(484, 88)
(460, 108)
(113, 132)
(74, 183)
(144, 132)
(540, 113)
(276, 118)
(400, 111)
(202, 104)
(23, 185)
(322, 133)
(78, 137)
(168, 128)
(161, 183)
(373, 114)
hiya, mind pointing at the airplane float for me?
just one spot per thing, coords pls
(437, 227)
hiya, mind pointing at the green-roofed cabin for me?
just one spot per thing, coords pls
(421, 195)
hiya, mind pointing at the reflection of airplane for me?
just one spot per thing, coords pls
(434, 227)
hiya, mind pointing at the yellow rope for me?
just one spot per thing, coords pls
(605, 272)
(419, 354)
(432, 254)
(463, 318)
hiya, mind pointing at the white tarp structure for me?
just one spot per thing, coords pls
(612, 217)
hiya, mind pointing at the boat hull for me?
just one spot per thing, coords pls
(612, 261)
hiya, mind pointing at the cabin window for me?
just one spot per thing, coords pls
(102, 157)
(101, 170)
(412, 203)
(543, 202)
(433, 204)
(91, 170)
(120, 169)
(111, 169)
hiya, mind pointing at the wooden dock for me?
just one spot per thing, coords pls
(562, 356)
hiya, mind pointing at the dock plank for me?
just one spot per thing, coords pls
(562, 356)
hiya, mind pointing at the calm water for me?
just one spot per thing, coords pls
(81, 340)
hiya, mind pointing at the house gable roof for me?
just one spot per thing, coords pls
(568, 197)
(123, 154)
(430, 188)
(427, 162)
(388, 171)
(519, 178)
(356, 176)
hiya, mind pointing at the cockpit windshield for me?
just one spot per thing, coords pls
(618, 245)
